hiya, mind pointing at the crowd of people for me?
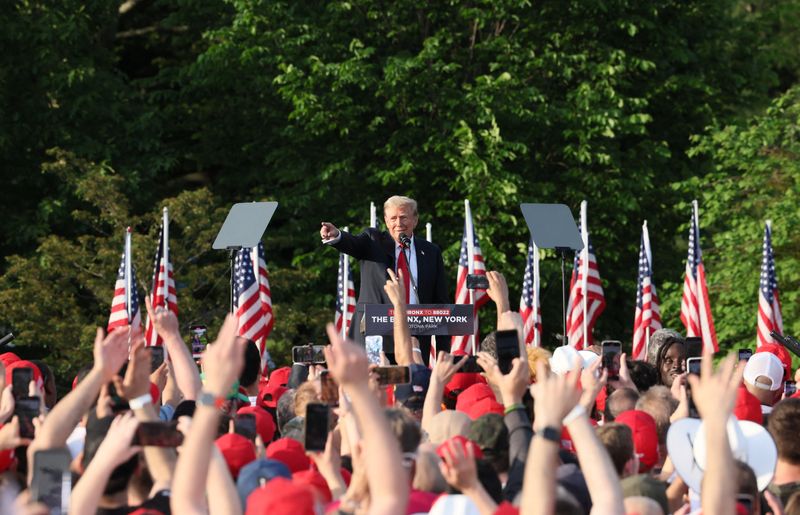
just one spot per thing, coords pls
(555, 434)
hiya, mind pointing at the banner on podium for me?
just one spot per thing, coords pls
(423, 319)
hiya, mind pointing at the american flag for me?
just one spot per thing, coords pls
(461, 343)
(119, 313)
(648, 316)
(769, 305)
(252, 299)
(585, 286)
(695, 308)
(341, 298)
(157, 290)
(529, 305)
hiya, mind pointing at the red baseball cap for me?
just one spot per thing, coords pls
(782, 354)
(270, 393)
(21, 363)
(484, 406)
(280, 376)
(290, 452)
(460, 441)
(281, 497)
(315, 480)
(645, 436)
(566, 438)
(473, 394)
(461, 381)
(265, 426)
(748, 407)
(8, 357)
(237, 450)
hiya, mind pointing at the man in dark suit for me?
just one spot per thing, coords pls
(396, 249)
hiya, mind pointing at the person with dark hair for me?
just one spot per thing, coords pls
(643, 374)
(251, 372)
(618, 441)
(782, 425)
(667, 352)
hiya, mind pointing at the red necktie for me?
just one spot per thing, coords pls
(402, 265)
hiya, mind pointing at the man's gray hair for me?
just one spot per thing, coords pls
(399, 200)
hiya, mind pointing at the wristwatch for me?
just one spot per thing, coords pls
(549, 433)
(211, 400)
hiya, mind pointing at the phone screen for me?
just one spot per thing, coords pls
(477, 282)
(156, 357)
(789, 388)
(745, 354)
(329, 390)
(20, 380)
(245, 425)
(158, 434)
(507, 349)
(316, 426)
(470, 367)
(611, 350)
(393, 375)
(26, 409)
(694, 365)
(52, 479)
(694, 347)
(308, 354)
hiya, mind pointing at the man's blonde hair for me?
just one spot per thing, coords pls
(399, 200)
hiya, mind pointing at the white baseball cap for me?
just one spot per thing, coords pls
(767, 365)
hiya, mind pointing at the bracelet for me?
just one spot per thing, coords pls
(576, 412)
(210, 400)
(140, 401)
(514, 407)
(416, 350)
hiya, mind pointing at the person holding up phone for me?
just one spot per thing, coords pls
(667, 352)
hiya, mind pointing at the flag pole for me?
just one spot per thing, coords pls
(345, 280)
(648, 256)
(428, 232)
(470, 264)
(373, 215)
(537, 338)
(128, 281)
(585, 267)
(165, 256)
(428, 236)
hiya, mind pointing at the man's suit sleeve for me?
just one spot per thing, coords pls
(440, 291)
(356, 246)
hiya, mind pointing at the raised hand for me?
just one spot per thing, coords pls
(624, 380)
(159, 376)
(328, 231)
(445, 369)
(395, 288)
(347, 362)
(554, 395)
(116, 447)
(164, 320)
(498, 290)
(9, 436)
(714, 394)
(223, 359)
(110, 352)
(137, 376)
(7, 403)
(459, 468)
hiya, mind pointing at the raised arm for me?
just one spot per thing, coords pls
(186, 375)
(110, 353)
(715, 396)
(498, 292)
(396, 292)
(348, 364)
(443, 371)
(223, 363)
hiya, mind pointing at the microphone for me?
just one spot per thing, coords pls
(405, 241)
(7, 338)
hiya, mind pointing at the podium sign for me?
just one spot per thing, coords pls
(423, 319)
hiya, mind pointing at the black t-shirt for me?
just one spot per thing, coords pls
(156, 505)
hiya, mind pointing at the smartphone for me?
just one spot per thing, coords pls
(507, 343)
(52, 480)
(245, 425)
(317, 424)
(329, 390)
(26, 409)
(789, 388)
(745, 354)
(20, 380)
(610, 354)
(309, 354)
(477, 282)
(694, 347)
(158, 434)
(199, 340)
(156, 357)
(393, 375)
(694, 365)
(470, 367)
